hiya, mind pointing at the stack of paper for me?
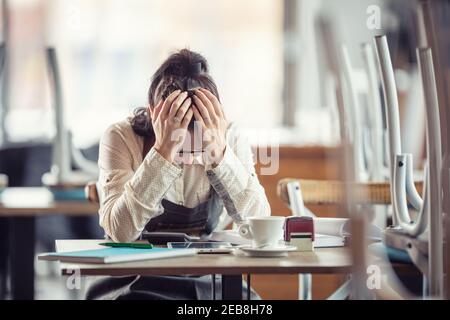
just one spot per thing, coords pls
(329, 232)
(232, 236)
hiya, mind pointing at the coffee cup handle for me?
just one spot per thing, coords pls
(245, 231)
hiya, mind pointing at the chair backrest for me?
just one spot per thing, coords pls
(331, 191)
(91, 192)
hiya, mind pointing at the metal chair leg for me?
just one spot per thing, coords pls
(305, 286)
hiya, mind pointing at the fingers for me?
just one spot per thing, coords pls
(206, 113)
(176, 104)
(198, 117)
(168, 103)
(187, 118)
(150, 112)
(215, 102)
(182, 110)
(154, 112)
(211, 104)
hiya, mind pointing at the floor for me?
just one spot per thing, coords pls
(50, 285)
(53, 288)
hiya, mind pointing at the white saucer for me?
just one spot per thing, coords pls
(278, 251)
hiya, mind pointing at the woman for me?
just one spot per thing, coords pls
(177, 165)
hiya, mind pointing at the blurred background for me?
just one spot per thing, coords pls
(267, 57)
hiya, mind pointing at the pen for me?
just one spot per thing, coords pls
(127, 245)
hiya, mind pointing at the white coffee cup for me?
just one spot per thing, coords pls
(264, 231)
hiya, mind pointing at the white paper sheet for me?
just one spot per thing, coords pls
(330, 226)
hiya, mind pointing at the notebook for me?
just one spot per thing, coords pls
(115, 255)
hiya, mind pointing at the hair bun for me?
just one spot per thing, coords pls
(194, 69)
(183, 69)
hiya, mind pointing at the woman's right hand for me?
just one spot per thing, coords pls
(170, 119)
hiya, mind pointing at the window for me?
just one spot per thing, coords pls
(108, 50)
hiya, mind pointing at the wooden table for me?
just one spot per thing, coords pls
(18, 209)
(38, 201)
(323, 260)
(231, 267)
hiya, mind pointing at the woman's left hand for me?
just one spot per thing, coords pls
(209, 114)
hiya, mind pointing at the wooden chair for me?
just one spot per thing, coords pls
(322, 192)
(332, 191)
(91, 192)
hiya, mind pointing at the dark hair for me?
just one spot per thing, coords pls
(184, 70)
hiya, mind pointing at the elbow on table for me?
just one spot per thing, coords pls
(266, 211)
(120, 237)
(116, 232)
(264, 205)
(259, 208)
